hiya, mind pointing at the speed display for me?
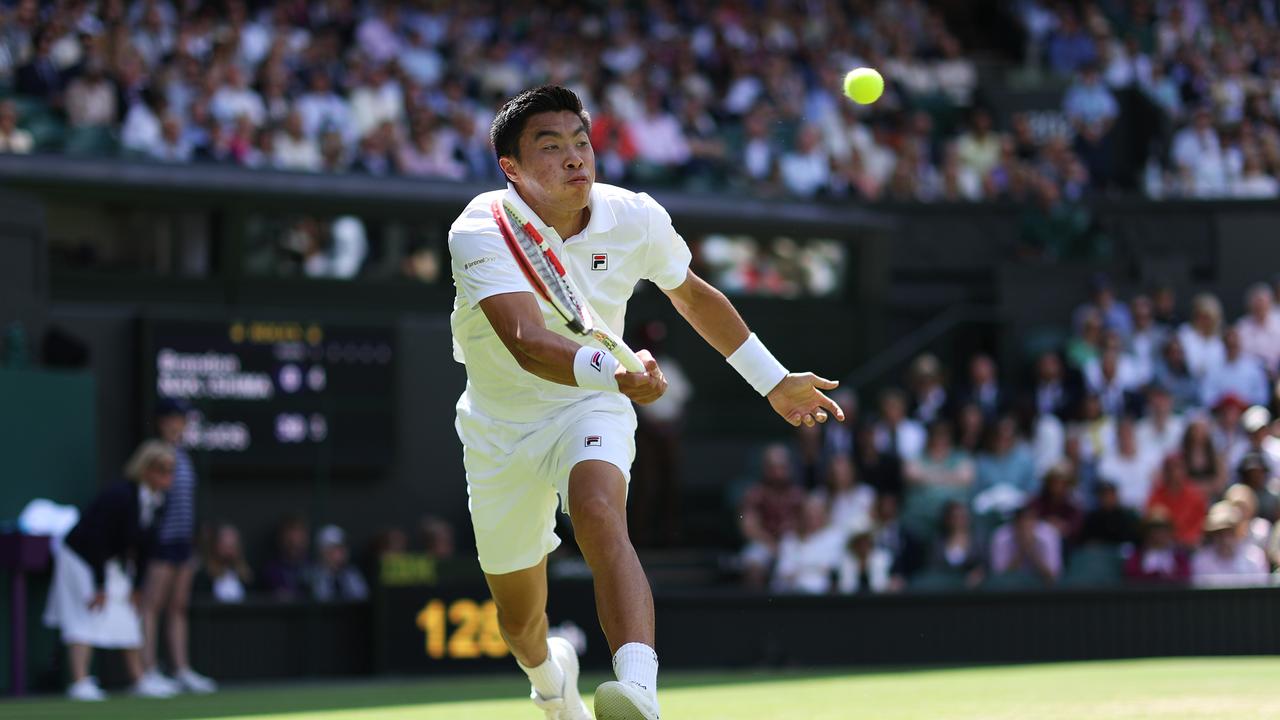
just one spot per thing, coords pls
(278, 393)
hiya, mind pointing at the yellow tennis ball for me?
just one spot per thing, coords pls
(863, 85)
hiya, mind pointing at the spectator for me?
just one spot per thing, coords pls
(1229, 436)
(866, 568)
(1239, 374)
(91, 98)
(41, 76)
(1112, 377)
(226, 574)
(1197, 156)
(1089, 105)
(1162, 430)
(287, 576)
(13, 139)
(1206, 465)
(809, 554)
(1159, 559)
(1257, 475)
(375, 100)
(172, 146)
(882, 471)
(234, 99)
(1175, 375)
(1095, 432)
(1110, 523)
(897, 434)
(1087, 342)
(427, 154)
(973, 434)
(172, 570)
(1256, 424)
(1005, 467)
(978, 149)
(928, 393)
(322, 110)
(983, 387)
(1182, 500)
(294, 149)
(378, 36)
(959, 550)
(806, 169)
(436, 536)
(92, 599)
(1130, 466)
(1055, 505)
(659, 140)
(940, 474)
(770, 509)
(892, 536)
(1226, 561)
(334, 577)
(1146, 338)
(1056, 392)
(1113, 313)
(1253, 181)
(1027, 545)
(1253, 529)
(848, 502)
(1259, 329)
(142, 131)
(1070, 46)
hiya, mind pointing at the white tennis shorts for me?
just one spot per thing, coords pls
(515, 471)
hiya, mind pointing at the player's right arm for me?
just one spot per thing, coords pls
(518, 322)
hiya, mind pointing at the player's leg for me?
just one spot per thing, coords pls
(598, 506)
(521, 597)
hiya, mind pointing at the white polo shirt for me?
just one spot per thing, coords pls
(628, 238)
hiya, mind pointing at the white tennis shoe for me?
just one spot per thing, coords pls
(569, 705)
(86, 690)
(625, 701)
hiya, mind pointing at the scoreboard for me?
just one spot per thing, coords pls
(278, 393)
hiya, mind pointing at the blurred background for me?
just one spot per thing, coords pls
(1044, 266)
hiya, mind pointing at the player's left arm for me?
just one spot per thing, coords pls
(797, 397)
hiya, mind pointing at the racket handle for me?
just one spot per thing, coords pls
(619, 350)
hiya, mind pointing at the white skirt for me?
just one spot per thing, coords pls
(115, 625)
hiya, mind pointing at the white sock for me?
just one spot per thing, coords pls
(637, 663)
(547, 678)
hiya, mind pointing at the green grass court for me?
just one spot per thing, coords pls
(1174, 689)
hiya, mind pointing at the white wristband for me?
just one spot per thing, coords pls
(593, 368)
(757, 365)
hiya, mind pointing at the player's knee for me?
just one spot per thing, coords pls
(597, 513)
(519, 624)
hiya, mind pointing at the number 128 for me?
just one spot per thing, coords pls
(475, 630)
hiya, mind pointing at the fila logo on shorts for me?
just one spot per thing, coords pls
(593, 441)
(597, 361)
(599, 261)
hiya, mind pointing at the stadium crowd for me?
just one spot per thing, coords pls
(1145, 449)
(718, 95)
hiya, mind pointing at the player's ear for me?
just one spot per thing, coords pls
(509, 169)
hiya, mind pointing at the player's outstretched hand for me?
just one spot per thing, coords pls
(643, 387)
(799, 399)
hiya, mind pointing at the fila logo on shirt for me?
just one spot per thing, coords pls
(597, 361)
(593, 441)
(599, 261)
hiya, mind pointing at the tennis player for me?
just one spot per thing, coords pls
(544, 417)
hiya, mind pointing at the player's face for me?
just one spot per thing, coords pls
(557, 165)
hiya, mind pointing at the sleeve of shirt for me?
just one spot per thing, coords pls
(483, 265)
(667, 255)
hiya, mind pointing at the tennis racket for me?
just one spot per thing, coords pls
(547, 276)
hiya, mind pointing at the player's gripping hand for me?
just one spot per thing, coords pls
(643, 387)
(799, 399)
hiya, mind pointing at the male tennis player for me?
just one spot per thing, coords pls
(543, 416)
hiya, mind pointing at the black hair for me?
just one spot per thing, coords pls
(515, 113)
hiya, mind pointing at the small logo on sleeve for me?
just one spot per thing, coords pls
(480, 261)
(593, 441)
(597, 361)
(599, 261)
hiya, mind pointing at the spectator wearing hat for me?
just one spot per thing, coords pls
(167, 592)
(1201, 338)
(1226, 561)
(334, 577)
(1260, 327)
(93, 599)
(1253, 529)
(1110, 522)
(1257, 475)
(1159, 559)
(1228, 433)
(1239, 374)
(1182, 499)
(1256, 423)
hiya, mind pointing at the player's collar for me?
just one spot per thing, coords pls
(602, 217)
